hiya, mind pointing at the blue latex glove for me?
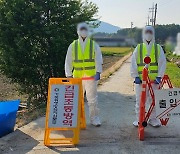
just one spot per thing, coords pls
(137, 80)
(97, 76)
(158, 80)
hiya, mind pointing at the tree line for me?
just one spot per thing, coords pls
(162, 32)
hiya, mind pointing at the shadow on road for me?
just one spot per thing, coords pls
(17, 141)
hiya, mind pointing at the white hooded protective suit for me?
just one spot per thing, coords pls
(89, 86)
(134, 69)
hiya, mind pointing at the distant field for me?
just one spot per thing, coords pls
(174, 73)
(115, 51)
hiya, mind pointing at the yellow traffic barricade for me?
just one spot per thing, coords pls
(65, 110)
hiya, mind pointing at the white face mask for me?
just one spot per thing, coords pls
(83, 33)
(148, 37)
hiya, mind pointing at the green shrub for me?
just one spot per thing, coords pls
(34, 37)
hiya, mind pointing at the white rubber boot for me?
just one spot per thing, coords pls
(93, 114)
(96, 121)
(136, 123)
(154, 122)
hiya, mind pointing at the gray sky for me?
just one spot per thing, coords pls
(122, 12)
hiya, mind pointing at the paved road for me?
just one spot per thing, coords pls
(116, 136)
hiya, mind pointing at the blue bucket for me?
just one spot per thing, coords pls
(8, 111)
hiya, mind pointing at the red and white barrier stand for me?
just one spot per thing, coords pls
(167, 101)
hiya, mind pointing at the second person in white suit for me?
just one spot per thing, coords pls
(157, 69)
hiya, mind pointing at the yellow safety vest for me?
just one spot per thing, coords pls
(153, 66)
(83, 62)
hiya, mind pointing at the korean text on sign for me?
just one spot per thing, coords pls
(64, 106)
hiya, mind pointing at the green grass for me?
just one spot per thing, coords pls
(174, 73)
(115, 51)
(171, 57)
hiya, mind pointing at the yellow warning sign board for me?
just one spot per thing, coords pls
(65, 110)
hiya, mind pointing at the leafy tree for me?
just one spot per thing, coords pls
(135, 33)
(34, 37)
(165, 31)
(162, 32)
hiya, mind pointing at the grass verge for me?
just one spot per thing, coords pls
(115, 51)
(174, 73)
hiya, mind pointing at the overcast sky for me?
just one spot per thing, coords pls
(122, 12)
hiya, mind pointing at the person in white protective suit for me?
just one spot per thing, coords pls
(156, 68)
(84, 60)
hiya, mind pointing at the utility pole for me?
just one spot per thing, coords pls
(132, 35)
(155, 15)
(152, 11)
(132, 25)
(148, 20)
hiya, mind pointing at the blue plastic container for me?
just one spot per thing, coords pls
(8, 111)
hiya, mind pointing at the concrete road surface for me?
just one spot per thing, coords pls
(116, 135)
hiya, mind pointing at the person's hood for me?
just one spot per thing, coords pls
(143, 33)
(80, 25)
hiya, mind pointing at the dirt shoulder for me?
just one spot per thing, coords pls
(8, 90)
